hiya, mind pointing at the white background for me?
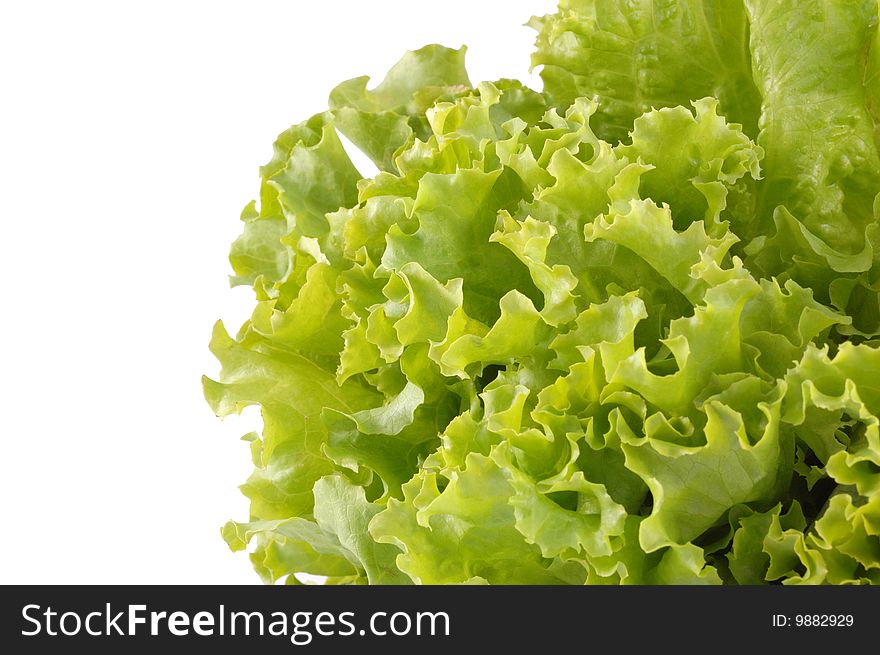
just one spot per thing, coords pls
(130, 138)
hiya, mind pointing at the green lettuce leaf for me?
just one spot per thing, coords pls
(635, 55)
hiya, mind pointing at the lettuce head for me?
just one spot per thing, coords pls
(620, 331)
